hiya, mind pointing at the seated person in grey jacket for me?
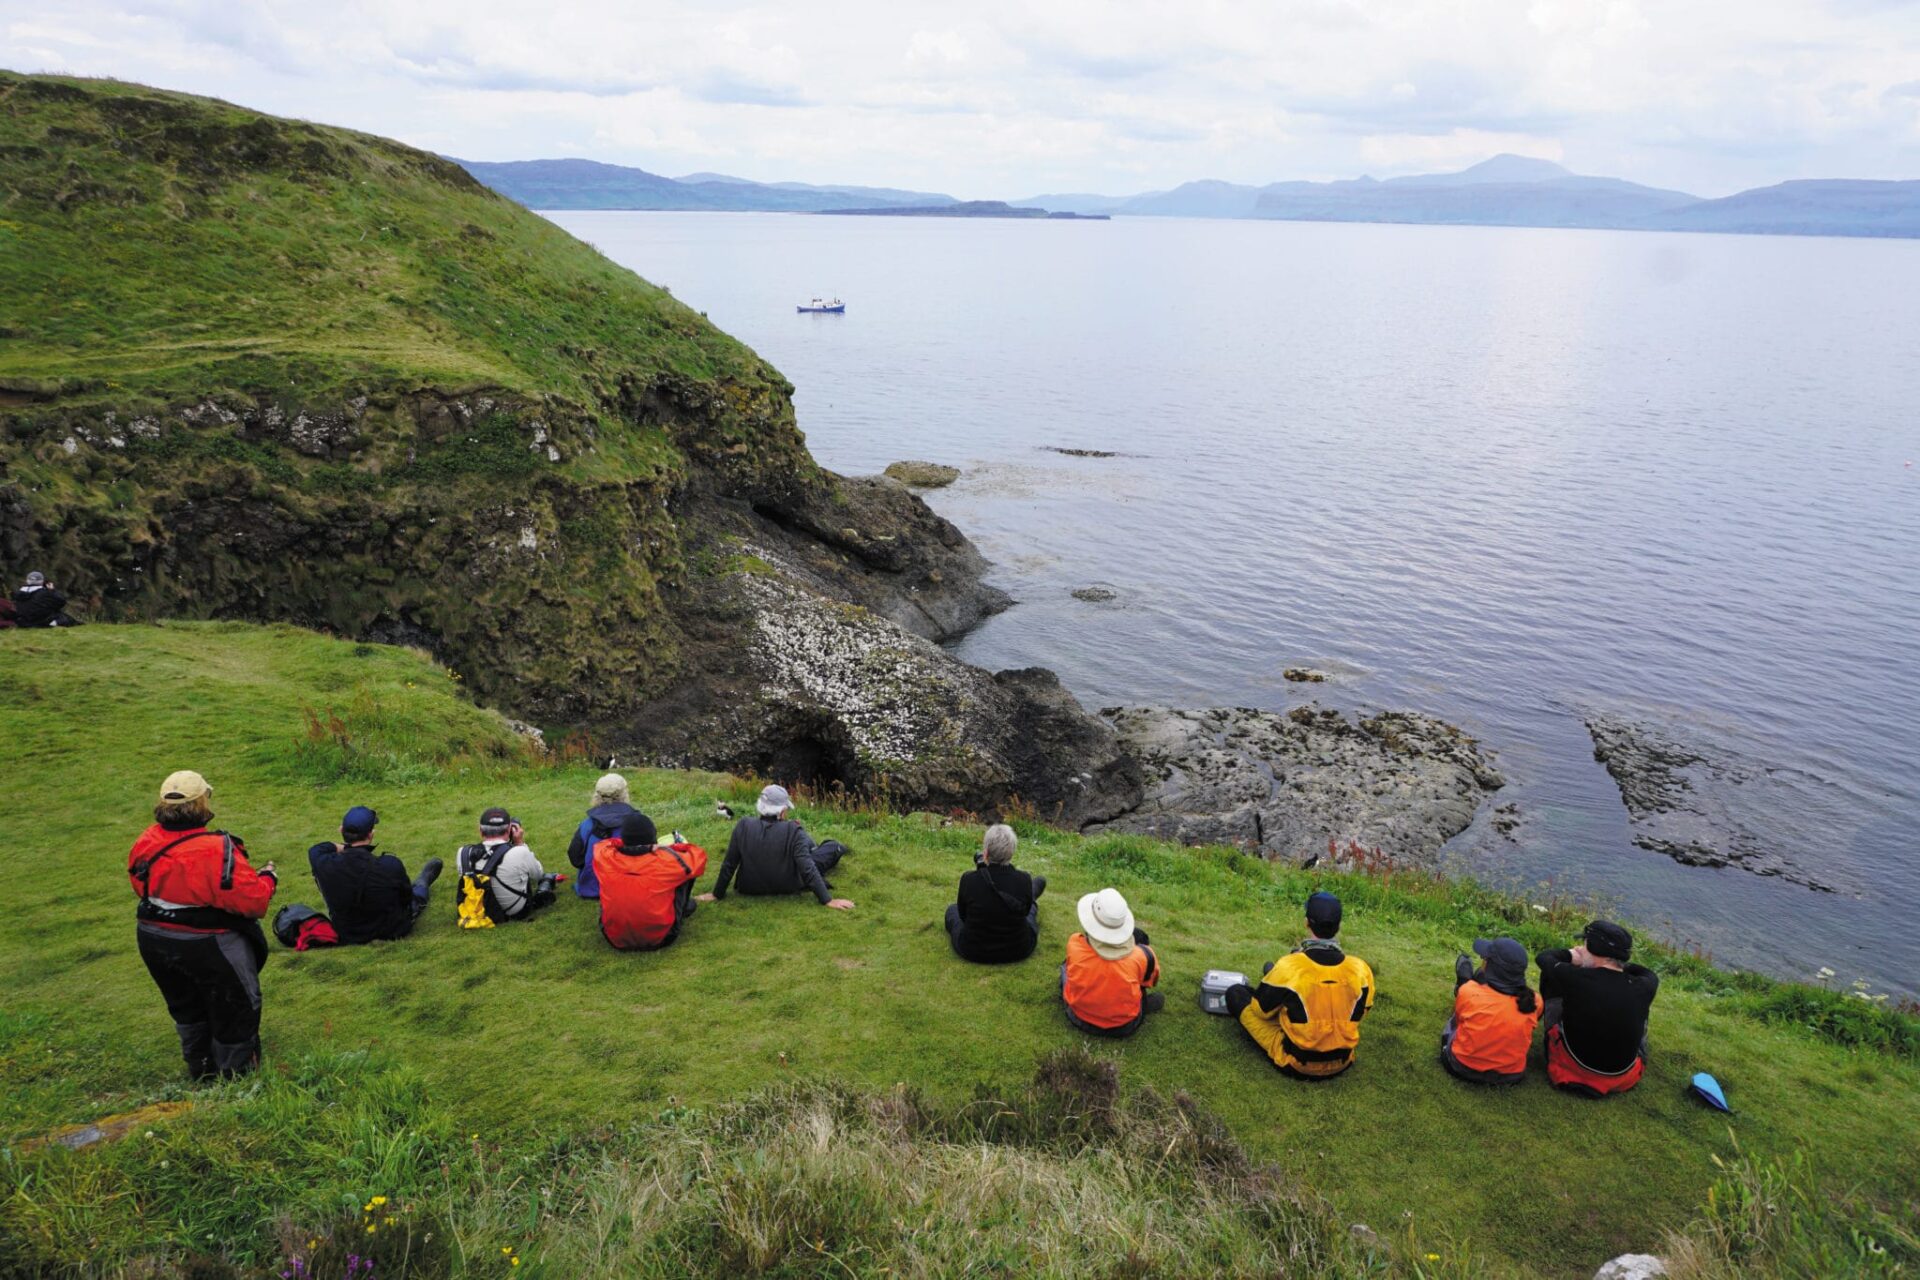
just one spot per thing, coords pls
(771, 853)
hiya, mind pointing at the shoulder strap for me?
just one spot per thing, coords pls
(1007, 900)
(677, 858)
(144, 867)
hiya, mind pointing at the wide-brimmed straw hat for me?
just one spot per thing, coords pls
(1108, 922)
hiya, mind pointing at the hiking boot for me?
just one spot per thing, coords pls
(1152, 1002)
(430, 871)
(1039, 887)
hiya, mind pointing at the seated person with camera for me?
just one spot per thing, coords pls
(772, 854)
(997, 917)
(515, 884)
(369, 897)
(646, 888)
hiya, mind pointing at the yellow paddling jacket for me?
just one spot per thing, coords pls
(1306, 1012)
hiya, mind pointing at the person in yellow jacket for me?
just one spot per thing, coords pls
(1306, 1011)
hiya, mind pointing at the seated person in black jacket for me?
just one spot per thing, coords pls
(997, 917)
(369, 897)
(1596, 1001)
(37, 604)
(773, 854)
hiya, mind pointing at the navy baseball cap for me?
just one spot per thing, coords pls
(1323, 909)
(360, 821)
(1504, 956)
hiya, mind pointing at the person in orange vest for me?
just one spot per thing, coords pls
(1494, 1013)
(199, 928)
(646, 888)
(1109, 970)
(1306, 1012)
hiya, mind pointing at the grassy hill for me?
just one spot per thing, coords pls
(792, 1091)
(254, 367)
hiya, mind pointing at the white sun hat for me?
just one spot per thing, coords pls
(1108, 923)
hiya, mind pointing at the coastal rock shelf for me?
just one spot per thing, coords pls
(1683, 803)
(1288, 783)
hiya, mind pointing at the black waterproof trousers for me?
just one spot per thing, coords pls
(211, 983)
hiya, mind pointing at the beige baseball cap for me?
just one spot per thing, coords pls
(183, 786)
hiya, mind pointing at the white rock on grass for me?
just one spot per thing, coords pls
(1632, 1266)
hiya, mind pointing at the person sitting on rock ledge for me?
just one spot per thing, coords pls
(1494, 1013)
(997, 917)
(646, 888)
(611, 806)
(773, 854)
(1306, 1012)
(1109, 969)
(368, 895)
(1596, 1014)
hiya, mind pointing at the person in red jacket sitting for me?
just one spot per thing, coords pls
(646, 888)
(199, 927)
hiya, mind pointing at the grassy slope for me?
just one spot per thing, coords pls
(758, 990)
(163, 245)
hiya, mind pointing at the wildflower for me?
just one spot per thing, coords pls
(163, 1164)
(1433, 1257)
(1537, 907)
(379, 1200)
(370, 1228)
(506, 1249)
(149, 1133)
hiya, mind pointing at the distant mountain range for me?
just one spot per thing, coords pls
(1508, 190)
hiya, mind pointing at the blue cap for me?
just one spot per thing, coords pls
(359, 821)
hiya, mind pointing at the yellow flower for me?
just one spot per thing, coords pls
(506, 1248)
(1433, 1257)
(369, 1228)
(379, 1200)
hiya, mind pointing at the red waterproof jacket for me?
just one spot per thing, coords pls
(644, 897)
(190, 886)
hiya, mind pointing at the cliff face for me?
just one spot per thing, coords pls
(262, 369)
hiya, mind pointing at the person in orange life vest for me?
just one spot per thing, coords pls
(1305, 1014)
(646, 888)
(199, 928)
(1596, 1012)
(1494, 1014)
(1109, 969)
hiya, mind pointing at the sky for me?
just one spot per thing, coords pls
(1012, 98)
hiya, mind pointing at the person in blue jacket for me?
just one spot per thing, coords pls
(611, 807)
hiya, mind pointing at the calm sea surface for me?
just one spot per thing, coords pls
(1507, 477)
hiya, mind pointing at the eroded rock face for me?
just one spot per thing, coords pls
(1288, 783)
(1684, 800)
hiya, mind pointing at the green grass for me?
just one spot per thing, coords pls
(534, 1032)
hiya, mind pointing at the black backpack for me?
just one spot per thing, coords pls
(475, 906)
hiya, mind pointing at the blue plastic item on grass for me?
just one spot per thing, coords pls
(1708, 1090)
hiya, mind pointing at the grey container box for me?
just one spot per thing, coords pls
(1213, 989)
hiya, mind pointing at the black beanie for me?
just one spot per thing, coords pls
(638, 832)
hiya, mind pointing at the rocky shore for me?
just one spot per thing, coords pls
(1288, 783)
(1682, 801)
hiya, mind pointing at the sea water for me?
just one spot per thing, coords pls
(1508, 477)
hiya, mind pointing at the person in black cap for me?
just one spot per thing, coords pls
(369, 898)
(1306, 1012)
(1596, 1011)
(517, 883)
(645, 887)
(1494, 1013)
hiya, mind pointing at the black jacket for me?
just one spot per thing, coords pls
(995, 904)
(1604, 1016)
(37, 608)
(369, 896)
(771, 855)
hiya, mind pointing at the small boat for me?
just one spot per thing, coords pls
(820, 306)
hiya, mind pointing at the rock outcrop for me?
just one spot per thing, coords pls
(922, 475)
(1288, 783)
(1684, 801)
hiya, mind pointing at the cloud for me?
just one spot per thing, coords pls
(1005, 96)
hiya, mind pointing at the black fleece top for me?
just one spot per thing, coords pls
(771, 855)
(994, 903)
(369, 896)
(1605, 1015)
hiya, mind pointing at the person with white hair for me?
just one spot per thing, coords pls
(39, 604)
(609, 809)
(1109, 970)
(996, 919)
(771, 853)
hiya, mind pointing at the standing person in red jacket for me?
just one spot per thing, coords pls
(646, 888)
(199, 928)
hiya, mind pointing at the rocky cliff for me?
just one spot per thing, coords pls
(263, 369)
